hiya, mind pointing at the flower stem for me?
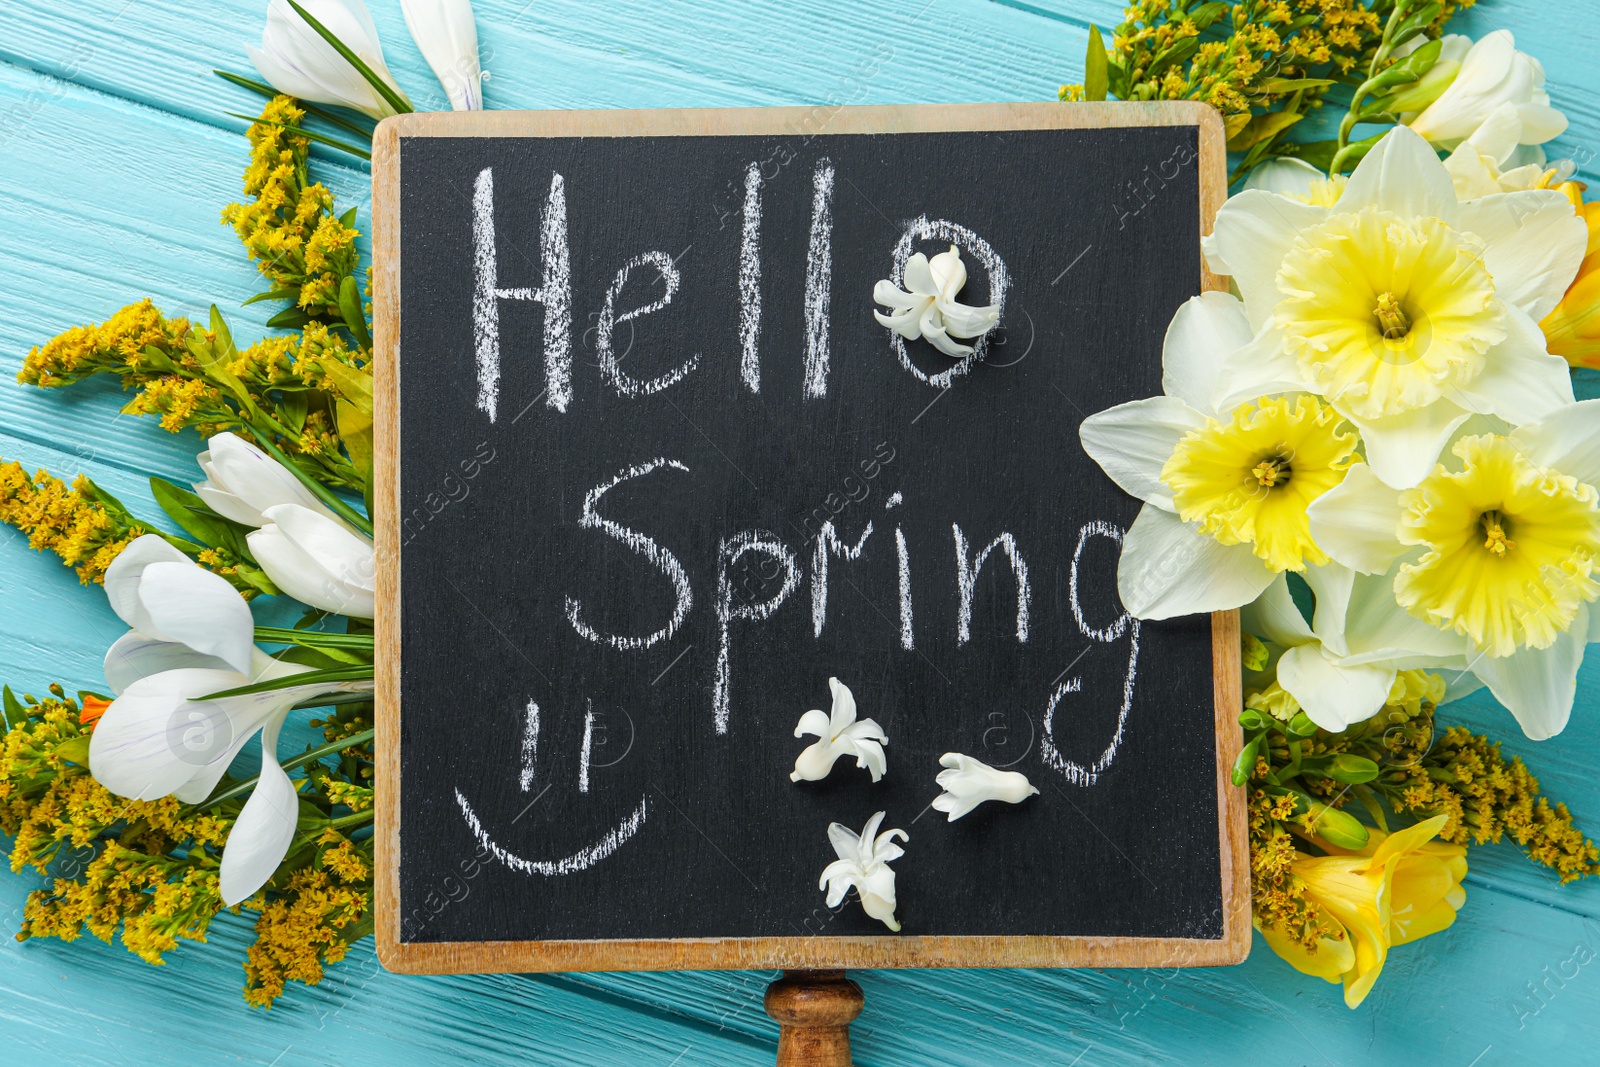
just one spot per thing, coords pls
(240, 788)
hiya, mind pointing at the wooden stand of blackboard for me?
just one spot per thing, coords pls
(813, 1010)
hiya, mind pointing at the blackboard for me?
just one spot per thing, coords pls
(636, 418)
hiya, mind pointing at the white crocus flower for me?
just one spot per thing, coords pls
(192, 636)
(838, 734)
(1491, 73)
(1482, 164)
(297, 61)
(969, 782)
(1497, 547)
(1225, 490)
(930, 309)
(448, 38)
(306, 550)
(863, 865)
(1340, 668)
(1406, 308)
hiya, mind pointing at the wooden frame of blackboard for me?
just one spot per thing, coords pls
(760, 952)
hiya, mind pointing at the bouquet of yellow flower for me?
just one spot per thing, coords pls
(1372, 447)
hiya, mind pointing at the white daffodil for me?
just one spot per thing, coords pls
(1481, 165)
(1342, 667)
(838, 734)
(1225, 491)
(863, 865)
(1405, 308)
(930, 309)
(297, 61)
(448, 38)
(969, 782)
(193, 636)
(1297, 179)
(1498, 546)
(306, 550)
(1477, 79)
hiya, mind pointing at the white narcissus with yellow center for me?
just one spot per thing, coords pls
(928, 307)
(1225, 491)
(838, 734)
(1498, 546)
(968, 782)
(1403, 307)
(1341, 667)
(192, 636)
(308, 552)
(297, 61)
(863, 865)
(1487, 162)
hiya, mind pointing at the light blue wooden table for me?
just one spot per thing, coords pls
(114, 162)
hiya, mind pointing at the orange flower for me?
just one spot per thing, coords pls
(1573, 328)
(93, 708)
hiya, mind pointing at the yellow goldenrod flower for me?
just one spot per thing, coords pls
(1250, 480)
(1573, 328)
(1510, 548)
(1400, 887)
(70, 522)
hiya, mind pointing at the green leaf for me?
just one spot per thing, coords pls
(1290, 85)
(1175, 53)
(1261, 128)
(1117, 79)
(1204, 15)
(16, 713)
(289, 319)
(314, 638)
(196, 518)
(331, 117)
(381, 87)
(353, 383)
(1094, 67)
(75, 750)
(289, 293)
(355, 315)
(311, 756)
(332, 676)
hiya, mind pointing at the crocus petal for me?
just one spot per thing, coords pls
(1334, 697)
(316, 560)
(1567, 440)
(1402, 174)
(1133, 441)
(154, 737)
(125, 572)
(200, 609)
(1535, 242)
(238, 470)
(448, 39)
(133, 656)
(1168, 568)
(1538, 685)
(1357, 522)
(310, 67)
(260, 837)
(1402, 449)
(1206, 329)
(1253, 232)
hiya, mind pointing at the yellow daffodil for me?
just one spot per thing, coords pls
(1497, 545)
(1406, 309)
(1399, 888)
(1225, 492)
(1573, 328)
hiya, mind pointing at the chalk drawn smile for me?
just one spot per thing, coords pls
(581, 860)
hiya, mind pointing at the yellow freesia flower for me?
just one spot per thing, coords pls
(1510, 548)
(1249, 481)
(1572, 330)
(1399, 888)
